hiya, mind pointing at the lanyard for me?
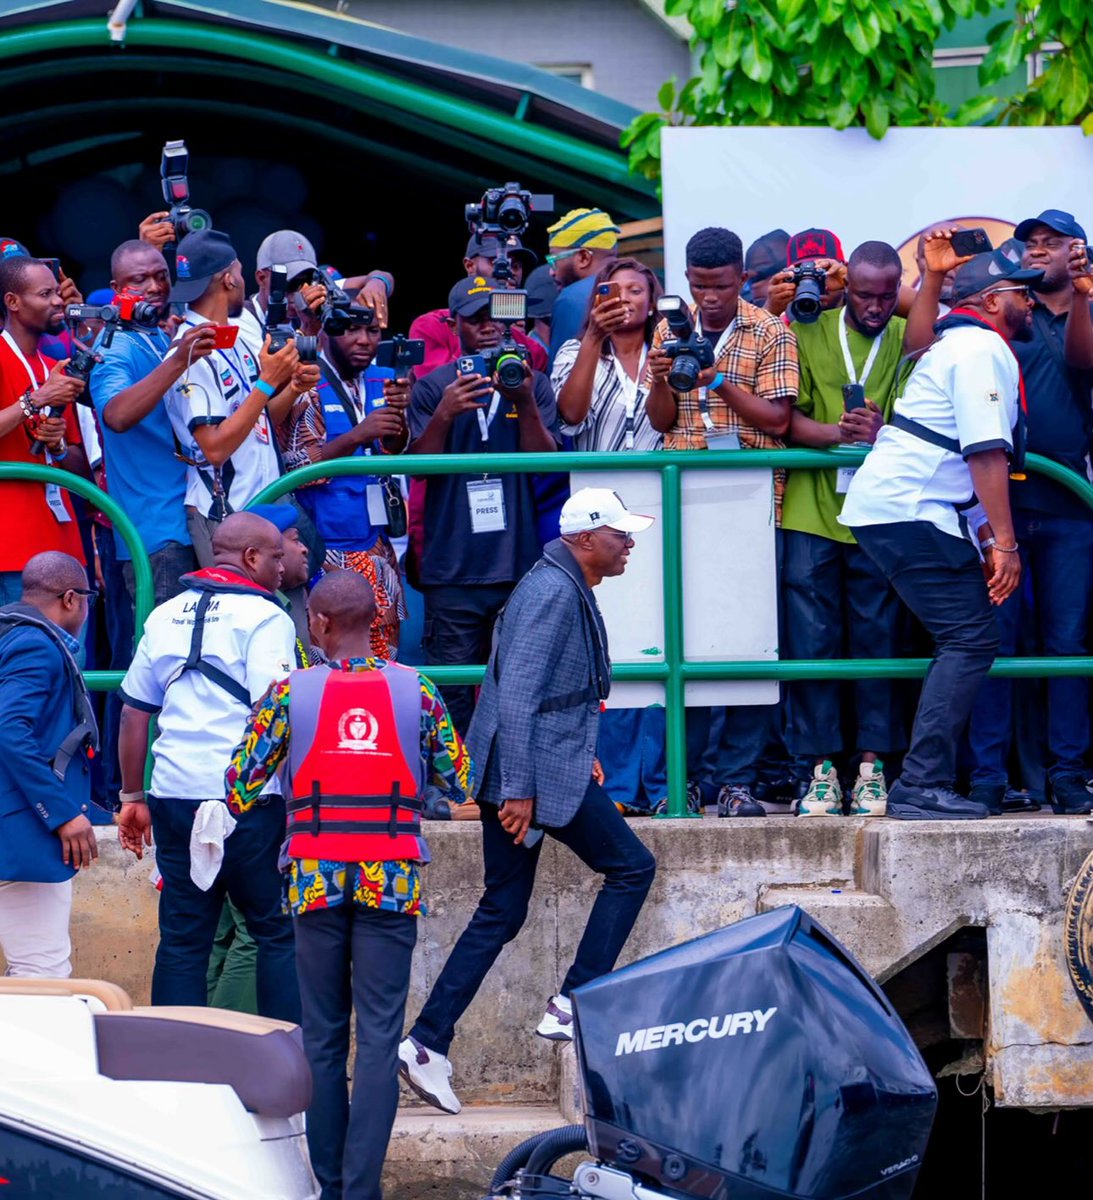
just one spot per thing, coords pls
(871, 358)
(631, 392)
(35, 382)
(233, 361)
(484, 420)
(719, 349)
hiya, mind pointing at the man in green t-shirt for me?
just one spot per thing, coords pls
(835, 598)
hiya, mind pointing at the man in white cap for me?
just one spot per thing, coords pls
(533, 742)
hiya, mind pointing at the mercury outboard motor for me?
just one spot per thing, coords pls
(755, 1063)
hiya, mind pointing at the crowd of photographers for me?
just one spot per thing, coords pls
(185, 399)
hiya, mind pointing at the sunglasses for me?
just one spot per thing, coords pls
(1023, 288)
(90, 593)
(554, 259)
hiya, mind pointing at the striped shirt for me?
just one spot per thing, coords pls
(604, 428)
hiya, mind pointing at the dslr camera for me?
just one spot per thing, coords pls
(507, 360)
(810, 282)
(689, 351)
(505, 211)
(277, 324)
(125, 310)
(338, 313)
(174, 172)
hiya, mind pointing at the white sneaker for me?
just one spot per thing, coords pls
(824, 797)
(427, 1073)
(557, 1022)
(869, 797)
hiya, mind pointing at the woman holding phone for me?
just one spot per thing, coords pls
(600, 377)
(601, 381)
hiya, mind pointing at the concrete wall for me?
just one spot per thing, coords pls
(890, 890)
(630, 50)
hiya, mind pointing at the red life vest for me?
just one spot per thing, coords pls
(355, 768)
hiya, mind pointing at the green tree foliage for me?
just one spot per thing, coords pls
(862, 62)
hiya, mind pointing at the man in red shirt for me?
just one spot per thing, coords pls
(31, 385)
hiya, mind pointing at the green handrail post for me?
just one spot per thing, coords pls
(142, 568)
(674, 698)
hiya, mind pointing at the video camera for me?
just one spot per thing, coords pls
(690, 352)
(507, 360)
(277, 324)
(125, 310)
(173, 171)
(338, 313)
(502, 213)
(810, 282)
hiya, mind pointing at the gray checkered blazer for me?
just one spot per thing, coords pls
(534, 730)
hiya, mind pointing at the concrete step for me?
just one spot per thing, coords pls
(436, 1156)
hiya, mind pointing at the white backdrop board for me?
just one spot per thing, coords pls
(729, 601)
(761, 178)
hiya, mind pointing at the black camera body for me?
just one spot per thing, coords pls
(81, 363)
(810, 282)
(506, 361)
(174, 173)
(505, 211)
(125, 312)
(278, 329)
(690, 352)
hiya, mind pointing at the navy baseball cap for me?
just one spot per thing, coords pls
(1053, 218)
(986, 270)
(469, 296)
(9, 248)
(489, 247)
(200, 255)
(284, 516)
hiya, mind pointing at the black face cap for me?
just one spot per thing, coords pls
(989, 270)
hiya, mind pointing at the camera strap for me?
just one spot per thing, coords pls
(871, 357)
(631, 392)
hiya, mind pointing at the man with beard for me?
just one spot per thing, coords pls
(37, 424)
(1054, 528)
(218, 406)
(832, 588)
(930, 506)
(128, 389)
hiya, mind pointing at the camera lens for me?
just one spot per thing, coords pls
(684, 373)
(197, 219)
(307, 348)
(510, 370)
(512, 215)
(807, 302)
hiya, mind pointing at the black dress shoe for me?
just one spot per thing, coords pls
(1068, 795)
(1017, 801)
(990, 795)
(908, 802)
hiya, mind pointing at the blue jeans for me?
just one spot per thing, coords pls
(1057, 556)
(602, 840)
(632, 754)
(349, 959)
(188, 917)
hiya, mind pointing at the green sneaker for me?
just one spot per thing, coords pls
(824, 797)
(869, 796)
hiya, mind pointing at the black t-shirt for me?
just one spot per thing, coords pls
(453, 552)
(1059, 417)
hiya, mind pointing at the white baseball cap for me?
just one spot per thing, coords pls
(596, 508)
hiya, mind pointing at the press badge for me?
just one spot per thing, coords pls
(723, 441)
(842, 479)
(377, 506)
(56, 503)
(487, 500)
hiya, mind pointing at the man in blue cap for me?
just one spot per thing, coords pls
(1053, 527)
(930, 506)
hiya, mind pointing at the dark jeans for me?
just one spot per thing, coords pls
(940, 579)
(747, 731)
(352, 959)
(188, 917)
(1057, 556)
(458, 630)
(836, 600)
(168, 563)
(602, 840)
(631, 751)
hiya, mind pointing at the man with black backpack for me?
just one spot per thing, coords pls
(204, 658)
(45, 781)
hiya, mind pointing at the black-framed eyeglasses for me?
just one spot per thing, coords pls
(90, 593)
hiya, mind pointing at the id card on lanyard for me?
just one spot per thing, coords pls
(632, 395)
(54, 498)
(845, 475)
(486, 497)
(704, 393)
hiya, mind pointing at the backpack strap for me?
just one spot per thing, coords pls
(194, 661)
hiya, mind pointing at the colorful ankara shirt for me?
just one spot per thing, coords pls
(318, 883)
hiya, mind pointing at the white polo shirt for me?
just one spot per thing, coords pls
(965, 388)
(210, 391)
(250, 638)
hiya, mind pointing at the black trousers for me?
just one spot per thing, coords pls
(352, 959)
(459, 629)
(602, 840)
(940, 579)
(836, 599)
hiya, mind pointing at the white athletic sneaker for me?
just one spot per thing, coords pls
(869, 797)
(824, 797)
(557, 1022)
(427, 1073)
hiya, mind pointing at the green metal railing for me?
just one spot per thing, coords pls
(675, 670)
